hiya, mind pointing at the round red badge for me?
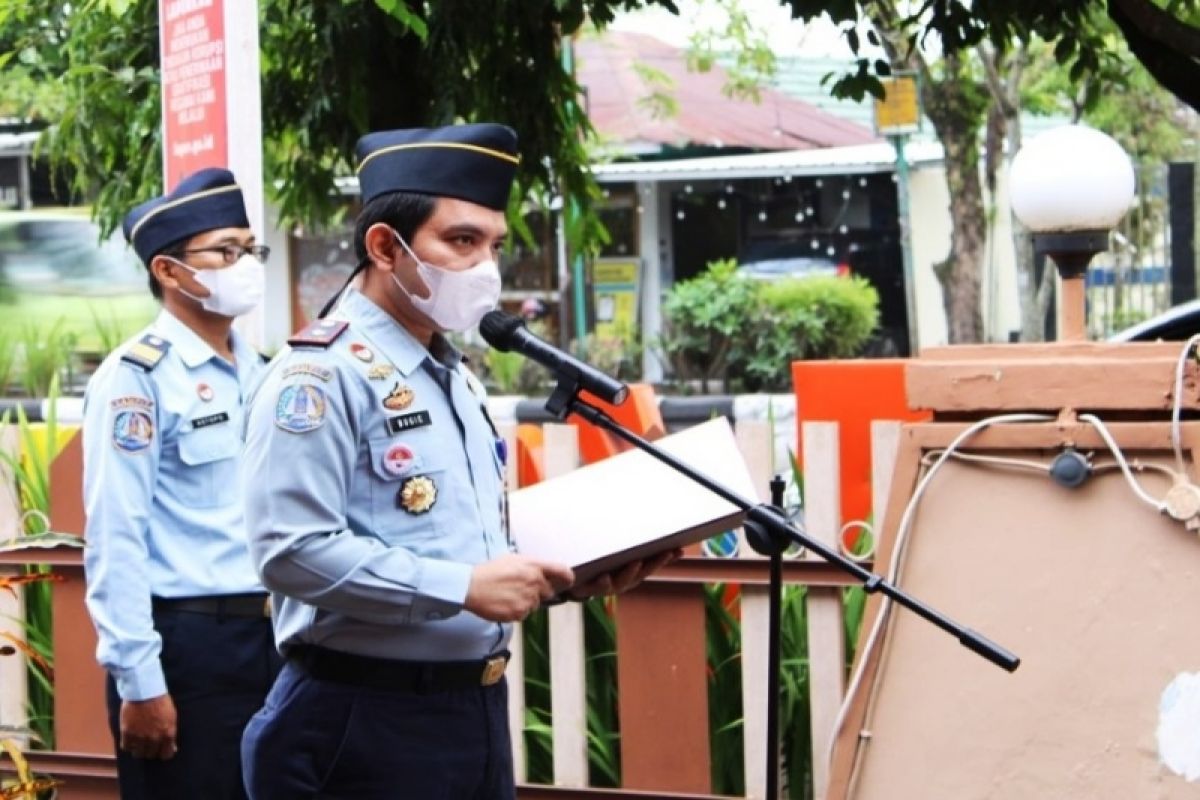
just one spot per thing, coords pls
(399, 460)
(205, 392)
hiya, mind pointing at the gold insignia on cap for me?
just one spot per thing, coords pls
(380, 372)
(399, 398)
(417, 495)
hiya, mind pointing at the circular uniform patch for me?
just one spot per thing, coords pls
(132, 431)
(300, 408)
(205, 392)
(417, 495)
(362, 353)
(399, 460)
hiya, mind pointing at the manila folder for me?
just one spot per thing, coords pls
(631, 506)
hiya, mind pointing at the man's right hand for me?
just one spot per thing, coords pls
(148, 727)
(508, 588)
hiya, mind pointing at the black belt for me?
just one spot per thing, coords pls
(422, 677)
(219, 605)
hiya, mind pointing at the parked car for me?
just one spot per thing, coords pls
(1176, 324)
(770, 260)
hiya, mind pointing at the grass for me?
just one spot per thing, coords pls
(100, 323)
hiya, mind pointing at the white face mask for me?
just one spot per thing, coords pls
(458, 299)
(232, 291)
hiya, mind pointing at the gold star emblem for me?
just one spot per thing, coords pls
(417, 495)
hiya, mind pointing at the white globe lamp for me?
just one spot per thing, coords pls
(1070, 186)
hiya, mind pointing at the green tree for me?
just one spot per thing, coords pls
(331, 71)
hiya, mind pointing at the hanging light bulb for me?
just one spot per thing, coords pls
(829, 250)
(680, 215)
(799, 216)
(688, 188)
(729, 188)
(762, 216)
(820, 183)
(845, 194)
(843, 229)
(816, 245)
(862, 181)
(721, 203)
(787, 178)
(809, 211)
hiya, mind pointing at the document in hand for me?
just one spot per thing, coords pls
(631, 506)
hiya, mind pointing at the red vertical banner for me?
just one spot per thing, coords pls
(192, 42)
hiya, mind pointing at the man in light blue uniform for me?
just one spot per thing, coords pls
(375, 501)
(182, 618)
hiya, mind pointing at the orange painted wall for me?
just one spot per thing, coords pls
(853, 394)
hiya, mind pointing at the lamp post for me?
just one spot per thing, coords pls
(1070, 186)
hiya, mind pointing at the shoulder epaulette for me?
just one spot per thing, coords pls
(319, 333)
(146, 352)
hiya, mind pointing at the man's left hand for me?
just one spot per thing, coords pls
(624, 579)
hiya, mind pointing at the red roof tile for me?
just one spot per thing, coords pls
(616, 103)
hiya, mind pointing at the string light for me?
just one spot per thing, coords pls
(799, 216)
(816, 245)
(862, 181)
(829, 250)
(729, 188)
(820, 183)
(680, 215)
(688, 188)
(721, 203)
(762, 216)
(843, 229)
(845, 194)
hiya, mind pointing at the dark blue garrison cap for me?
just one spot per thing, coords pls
(470, 162)
(203, 201)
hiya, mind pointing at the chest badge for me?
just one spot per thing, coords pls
(362, 353)
(417, 495)
(399, 460)
(205, 392)
(380, 372)
(399, 398)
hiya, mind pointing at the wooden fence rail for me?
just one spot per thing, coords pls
(661, 647)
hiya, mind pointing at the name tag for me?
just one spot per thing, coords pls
(406, 422)
(211, 419)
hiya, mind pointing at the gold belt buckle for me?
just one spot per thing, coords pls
(267, 606)
(493, 670)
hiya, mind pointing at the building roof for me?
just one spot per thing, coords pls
(855, 159)
(618, 69)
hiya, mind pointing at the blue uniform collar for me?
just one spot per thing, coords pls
(401, 348)
(193, 350)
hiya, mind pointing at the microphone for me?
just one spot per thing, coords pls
(506, 332)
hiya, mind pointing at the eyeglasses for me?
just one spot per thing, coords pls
(232, 252)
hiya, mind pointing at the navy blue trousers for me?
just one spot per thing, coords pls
(334, 741)
(218, 671)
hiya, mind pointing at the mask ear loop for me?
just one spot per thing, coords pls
(334, 303)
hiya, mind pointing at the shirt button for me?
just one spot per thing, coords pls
(433, 615)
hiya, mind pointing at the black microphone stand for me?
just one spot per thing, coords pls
(769, 533)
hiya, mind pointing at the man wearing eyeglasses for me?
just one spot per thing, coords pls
(183, 622)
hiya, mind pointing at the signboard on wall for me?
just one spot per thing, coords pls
(900, 109)
(192, 46)
(615, 293)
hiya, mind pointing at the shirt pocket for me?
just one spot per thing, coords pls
(410, 499)
(208, 478)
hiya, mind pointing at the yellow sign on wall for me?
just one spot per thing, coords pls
(900, 109)
(615, 290)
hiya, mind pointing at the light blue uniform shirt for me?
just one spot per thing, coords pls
(372, 491)
(163, 501)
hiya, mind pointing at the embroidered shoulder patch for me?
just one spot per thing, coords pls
(319, 333)
(133, 429)
(304, 368)
(300, 408)
(146, 352)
